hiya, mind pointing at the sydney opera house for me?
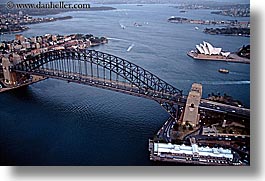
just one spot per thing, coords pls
(207, 49)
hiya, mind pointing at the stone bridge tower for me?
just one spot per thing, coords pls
(10, 78)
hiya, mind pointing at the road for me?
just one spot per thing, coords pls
(115, 85)
(164, 132)
(219, 107)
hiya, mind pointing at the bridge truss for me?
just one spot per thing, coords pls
(103, 70)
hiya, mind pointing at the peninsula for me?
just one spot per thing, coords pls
(232, 31)
(14, 23)
(233, 27)
(206, 51)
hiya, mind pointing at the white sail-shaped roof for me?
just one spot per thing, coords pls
(216, 51)
(200, 49)
(212, 50)
(205, 49)
(208, 49)
(225, 54)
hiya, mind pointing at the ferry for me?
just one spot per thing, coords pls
(182, 11)
(225, 71)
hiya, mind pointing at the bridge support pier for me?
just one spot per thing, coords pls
(191, 113)
(10, 78)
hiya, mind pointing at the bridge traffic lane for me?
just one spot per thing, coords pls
(167, 100)
(75, 77)
(219, 107)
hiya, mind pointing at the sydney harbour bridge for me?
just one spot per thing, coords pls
(103, 70)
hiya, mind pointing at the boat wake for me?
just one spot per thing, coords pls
(118, 39)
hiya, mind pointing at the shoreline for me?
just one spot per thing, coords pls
(26, 27)
(233, 58)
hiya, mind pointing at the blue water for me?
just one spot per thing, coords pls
(58, 123)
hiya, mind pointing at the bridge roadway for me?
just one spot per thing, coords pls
(130, 89)
(140, 82)
(113, 85)
(220, 107)
(225, 108)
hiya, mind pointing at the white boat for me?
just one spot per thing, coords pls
(225, 71)
(122, 26)
(130, 47)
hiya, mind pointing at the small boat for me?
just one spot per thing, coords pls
(196, 28)
(122, 26)
(225, 71)
(130, 47)
(137, 24)
(182, 11)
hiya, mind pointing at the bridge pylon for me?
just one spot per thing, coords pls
(10, 78)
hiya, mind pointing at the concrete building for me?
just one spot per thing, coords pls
(192, 154)
(33, 40)
(20, 37)
(191, 114)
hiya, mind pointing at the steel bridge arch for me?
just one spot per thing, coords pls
(163, 93)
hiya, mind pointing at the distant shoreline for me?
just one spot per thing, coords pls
(25, 28)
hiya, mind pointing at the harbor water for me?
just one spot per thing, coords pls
(53, 122)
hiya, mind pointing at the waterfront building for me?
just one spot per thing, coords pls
(208, 49)
(193, 154)
(20, 37)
